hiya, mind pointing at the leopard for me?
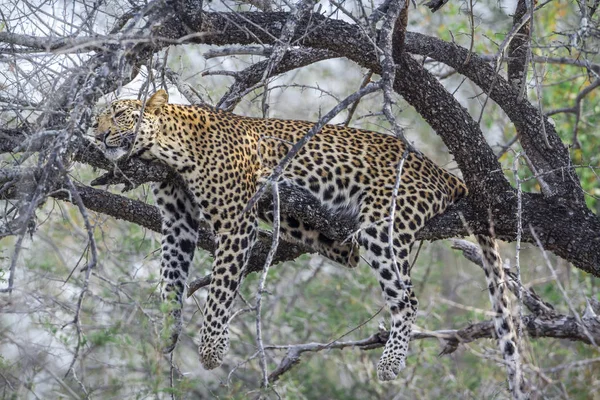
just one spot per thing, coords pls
(223, 159)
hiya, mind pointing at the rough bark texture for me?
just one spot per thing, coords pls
(518, 48)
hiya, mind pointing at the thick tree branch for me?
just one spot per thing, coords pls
(148, 216)
(458, 130)
(554, 162)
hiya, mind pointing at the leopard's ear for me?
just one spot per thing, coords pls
(156, 102)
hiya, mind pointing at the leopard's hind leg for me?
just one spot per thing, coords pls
(393, 276)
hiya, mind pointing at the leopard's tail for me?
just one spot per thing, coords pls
(503, 323)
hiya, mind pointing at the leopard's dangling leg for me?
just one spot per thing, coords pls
(396, 287)
(232, 253)
(179, 236)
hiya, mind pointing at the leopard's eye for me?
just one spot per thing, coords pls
(118, 114)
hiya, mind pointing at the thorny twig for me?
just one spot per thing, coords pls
(187, 90)
(576, 109)
(497, 59)
(593, 69)
(90, 265)
(42, 365)
(538, 89)
(472, 33)
(392, 30)
(261, 285)
(558, 326)
(352, 110)
(392, 221)
(293, 356)
(518, 247)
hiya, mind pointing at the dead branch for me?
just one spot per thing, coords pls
(558, 326)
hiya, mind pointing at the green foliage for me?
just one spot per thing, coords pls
(104, 336)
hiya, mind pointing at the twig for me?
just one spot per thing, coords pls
(545, 188)
(294, 351)
(352, 110)
(507, 146)
(538, 89)
(594, 69)
(573, 365)
(392, 219)
(472, 27)
(576, 109)
(24, 351)
(187, 90)
(560, 286)
(557, 326)
(90, 265)
(498, 57)
(261, 285)
(518, 248)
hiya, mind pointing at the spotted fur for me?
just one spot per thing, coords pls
(223, 157)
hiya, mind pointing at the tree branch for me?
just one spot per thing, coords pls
(554, 162)
(559, 327)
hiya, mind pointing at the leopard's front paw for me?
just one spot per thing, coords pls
(388, 368)
(212, 349)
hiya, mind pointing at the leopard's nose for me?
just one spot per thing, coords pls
(101, 136)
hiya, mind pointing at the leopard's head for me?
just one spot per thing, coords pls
(129, 128)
